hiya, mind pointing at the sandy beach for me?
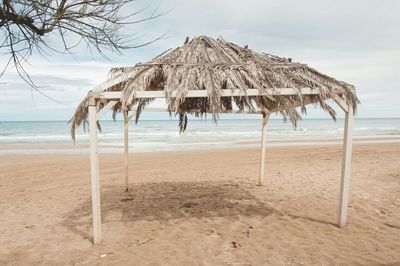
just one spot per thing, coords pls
(203, 208)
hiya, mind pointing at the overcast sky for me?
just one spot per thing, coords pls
(355, 41)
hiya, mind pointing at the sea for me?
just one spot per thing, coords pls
(48, 137)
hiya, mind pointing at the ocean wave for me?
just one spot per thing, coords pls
(162, 135)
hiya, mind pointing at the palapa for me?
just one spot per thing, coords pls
(204, 63)
(214, 76)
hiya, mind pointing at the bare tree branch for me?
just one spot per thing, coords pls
(27, 25)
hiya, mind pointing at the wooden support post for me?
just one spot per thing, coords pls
(94, 172)
(263, 141)
(346, 166)
(126, 150)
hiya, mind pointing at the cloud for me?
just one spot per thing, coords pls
(355, 41)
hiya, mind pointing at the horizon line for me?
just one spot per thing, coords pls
(199, 119)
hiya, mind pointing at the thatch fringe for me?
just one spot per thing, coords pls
(213, 65)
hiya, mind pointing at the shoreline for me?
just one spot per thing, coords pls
(112, 148)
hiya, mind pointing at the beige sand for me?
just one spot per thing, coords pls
(203, 208)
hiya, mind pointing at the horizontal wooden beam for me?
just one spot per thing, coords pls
(113, 95)
(115, 81)
(152, 109)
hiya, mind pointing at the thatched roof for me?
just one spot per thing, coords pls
(207, 64)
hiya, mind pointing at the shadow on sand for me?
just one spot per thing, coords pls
(172, 200)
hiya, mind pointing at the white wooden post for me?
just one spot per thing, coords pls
(126, 149)
(263, 140)
(94, 172)
(346, 166)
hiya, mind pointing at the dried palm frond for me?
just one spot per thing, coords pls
(213, 65)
